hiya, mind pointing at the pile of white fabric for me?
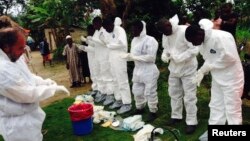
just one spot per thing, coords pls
(99, 114)
(84, 98)
(133, 123)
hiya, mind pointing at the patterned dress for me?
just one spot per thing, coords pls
(73, 61)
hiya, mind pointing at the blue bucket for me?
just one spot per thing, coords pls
(83, 127)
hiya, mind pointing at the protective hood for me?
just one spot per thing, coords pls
(118, 21)
(230, 1)
(143, 32)
(3, 56)
(174, 22)
(207, 25)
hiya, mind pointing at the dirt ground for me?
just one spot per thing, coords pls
(58, 73)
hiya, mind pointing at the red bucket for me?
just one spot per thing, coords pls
(80, 111)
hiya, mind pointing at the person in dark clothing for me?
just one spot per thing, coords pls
(45, 51)
(84, 65)
(229, 19)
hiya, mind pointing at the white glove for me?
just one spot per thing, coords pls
(165, 57)
(96, 40)
(198, 78)
(205, 68)
(125, 55)
(102, 37)
(83, 39)
(90, 41)
(48, 81)
(81, 47)
(89, 38)
(109, 46)
(63, 89)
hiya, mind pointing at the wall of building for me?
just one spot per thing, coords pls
(76, 34)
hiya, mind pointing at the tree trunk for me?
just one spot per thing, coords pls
(108, 8)
(125, 14)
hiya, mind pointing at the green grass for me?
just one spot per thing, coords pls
(242, 34)
(59, 128)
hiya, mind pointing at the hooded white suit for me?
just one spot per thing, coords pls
(223, 62)
(145, 74)
(182, 67)
(21, 117)
(104, 77)
(117, 44)
(91, 60)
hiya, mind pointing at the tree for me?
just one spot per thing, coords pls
(59, 15)
(6, 5)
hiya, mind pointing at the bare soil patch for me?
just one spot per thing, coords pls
(58, 73)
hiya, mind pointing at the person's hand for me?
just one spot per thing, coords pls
(81, 47)
(165, 57)
(198, 78)
(62, 89)
(205, 68)
(83, 39)
(67, 66)
(125, 55)
(89, 38)
(108, 46)
(50, 82)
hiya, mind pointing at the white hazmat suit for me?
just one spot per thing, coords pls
(145, 74)
(91, 60)
(117, 44)
(182, 67)
(21, 117)
(223, 62)
(104, 77)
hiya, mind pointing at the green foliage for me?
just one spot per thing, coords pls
(57, 54)
(6, 5)
(242, 34)
(242, 8)
(242, 37)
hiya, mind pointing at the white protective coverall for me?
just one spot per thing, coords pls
(223, 62)
(104, 77)
(91, 60)
(117, 44)
(182, 67)
(21, 117)
(145, 74)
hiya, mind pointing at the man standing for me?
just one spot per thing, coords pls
(145, 74)
(104, 77)
(116, 42)
(21, 117)
(72, 62)
(229, 19)
(182, 67)
(91, 58)
(222, 61)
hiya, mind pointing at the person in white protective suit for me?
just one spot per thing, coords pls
(91, 58)
(116, 42)
(222, 61)
(21, 117)
(145, 74)
(104, 77)
(183, 65)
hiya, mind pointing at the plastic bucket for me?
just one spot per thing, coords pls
(82, 127)
(80, 111)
